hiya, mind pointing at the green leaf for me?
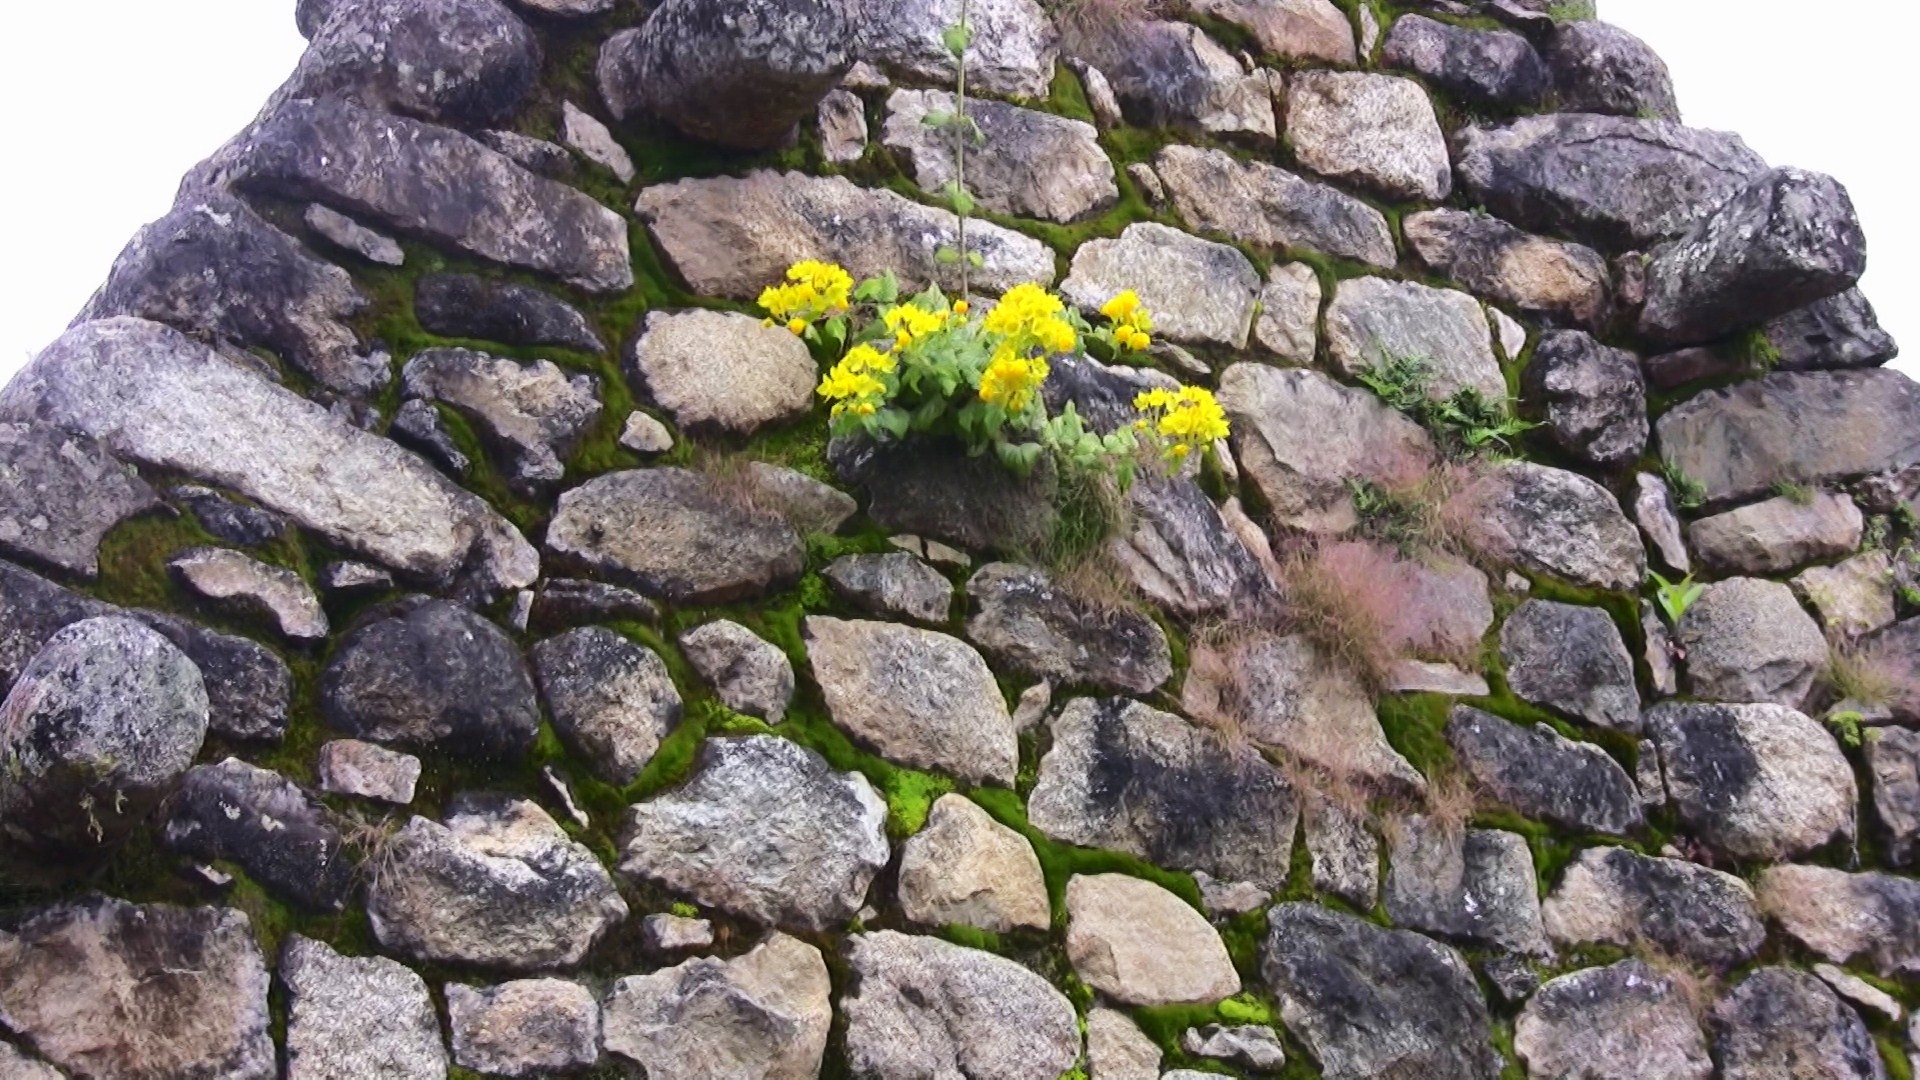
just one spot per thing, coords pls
(938, 118)
(946, 256)
(884, 289)
(894, 422)
(833, 334)
(958, 198)
(976, 260)
(957, 38)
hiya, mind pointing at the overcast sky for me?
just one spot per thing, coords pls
(111, 101)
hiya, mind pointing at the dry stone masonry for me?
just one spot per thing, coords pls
(439, 637)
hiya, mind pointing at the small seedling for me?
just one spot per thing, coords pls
(1675, 597)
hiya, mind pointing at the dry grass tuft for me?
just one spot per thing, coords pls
(1096, 30)
(730, 474)
(1451, 801)
(1345, 599)
(1098, 579)
(1696, 987)
(373, 841)
(1870, 674)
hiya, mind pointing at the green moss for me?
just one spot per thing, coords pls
(1245, 1009)
(910, 797)
(1416, 726)
(1060, 862)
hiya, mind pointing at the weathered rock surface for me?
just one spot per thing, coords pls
(612, 700)
(1749, 640)
(1024, 163)
(499, 885)
(932, 489)
(230, 520)
(749, 673)
(1290, 29)
(534, 414)
(95, 730)
(586, 134)
(722, 369)
(467, 306)
(1126, 777)
(668, 933)
(842, 119)
(1571, 659)
(1470, 885)
(282, 837)
(350, 1017)
(1560, 524)
(1024, 621)
(350, 767)
(1613, 896)
(1594, 397)
(1600, 68)
(347, 234)
(1343, 849)
(732, 237)
(1301, 437)
(1778, 535)
(1141, 945)
(155, 397)
(1544, 775)
(1013, 51)
(1251, 1046)
(1564, 283)
(1377, 131)
(1116, 1047)
(463, 61)
(1625, 1021)
(432, 674)
(16, 1065)
(569, 601)
(1288, 324)
(1172, 75)
(1758, 782)
(105, 988)
(1780, 1023)
(215, 269)
(672, 533)
(1658, 514)
(967, 868)
(222, 574)
(60, 495)
(1492, 67)
(1794, 428)
(1373, 321)
(894, 585)
(1893, 763)
(924, 1007)
(1852, 598)
(919, 697)
(1838, 332)
(1199, 291)
(1269, 207)
(529, 1027)
(761, 1016)
(1868, 918)
(765, 830)
(1612, 182)
(404, 174)
(1182, 555)
(1368, 1002)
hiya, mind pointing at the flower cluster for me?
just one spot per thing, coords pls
(1183, 419)
(813, 291)
(1132, 323)
(854, 385)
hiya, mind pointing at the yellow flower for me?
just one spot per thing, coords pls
(813, 291)
(865, 359)
(1055, 335)
(1121, 308)
(828, 282)
(907, 322)
(798, 326)
(961, 307)
(1011, 380)
(1020, 308)
(1187, 418)
(1131, 321)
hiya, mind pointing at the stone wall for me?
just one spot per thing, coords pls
(440, 638)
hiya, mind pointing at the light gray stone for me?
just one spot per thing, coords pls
(1758, 782)
(1268, 207)
(1197, 290)
(1343, 849)
(1778, 535)
(750, 674)
(1852, 598)
(1182, 554)
(1037, 627)
(1288, 324)
(1860, 992)
(761, 1016)
(645, 435)
(1613, 896)
(665, 933)
(61, 494)
(1658, 516)
(1023, 163)
(586, 134)
(1471, 885)
(1289, 29)
(461, 61)
(1869, 920)
(1141, 945)
(535, 414)
(1893, 764)
(15, 1065)
(1251, 1046)
(967, 868)
(342, 231)
(1117, 1049)
(1562, 282)
(1780, 1023)
(842, 120)
(1172, 75)
(1372, 321)
(1557, 523)
(895, 585)
(1013, 51)
(1621, 1022)
(351, 1017)
(530, 1027)
(350, 767)
(1377, 131)
(222, 574)
(613, 701)
(722, 369)
(1749, 640)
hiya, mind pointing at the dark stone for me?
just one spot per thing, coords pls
(1838, 332)
(743, 75)
(468, 306)
(565, 602)
(1599, 68)
(227, 519)
(1611, 182)
(61, 494)
(1492, 67)
(462, 61)
(1544, 775)
(431, 674)
(551, 160)
(417, 424)
(1572, 659)
(936, 491)
(1183, 556)
(1025, 621)
(1789, 239)
(1168, 74)
(277, 833)
(613, 701)
(1757, 782)
(1614, 896)
(1595, 399)
(1475, 886)
(1893, 761)
(1781, 1024)
(1102, 395)
(214, 269)
(1370, 1003)
(1667, 371)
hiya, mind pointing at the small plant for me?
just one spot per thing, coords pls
(1688, 493)
(1467, 423)
(1245, 1009)
(1572, 11)
(1864, 675)
(1675, 597)
(1846, 727)
(1799, 494)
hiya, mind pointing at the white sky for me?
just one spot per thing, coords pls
(111, 101)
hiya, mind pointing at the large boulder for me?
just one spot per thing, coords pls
(1126, 777)
(925, 1008)
(760, 1016)
(612, 700)
(469, 306)
(1838, 332)
(1376, 131)
(431, 182)
(723, 370)
(1167, 74)
(1778, 535)
(1027, 622)
(1790, 239)
(103, 988)
(499, 885)
(1594, 397)
(1600, 68)
(1268, 207)
(1475, 886)
(281, 836)
(734, 236)
(1489, 67)
(742, 78)
(919, 697)
(765, 829)
(1369, 1002)
(1564, 283)
(1544, 775)
(1749, 640)
(1198, 291)
(1612, 896)
(1289, 29)
(1758, 782)
(1573, 660)
(156, 397)
(675, 534)
(462, 61)
(1024, 162)
(96, 729)
(1780, 1023)
(357, 1016)
(1557, 523)
(527, 1027)
(432, 674)
(1872, 919)
(1625, 1021)
(534, 414)
(966, 868)
(1793, 428)
(1012, 54)
(1612, 182)
(215, 269)
(1139, 944)
(1374, 321)
(61, 494)
(1302, 438)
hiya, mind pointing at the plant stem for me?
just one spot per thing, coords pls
(962, 129)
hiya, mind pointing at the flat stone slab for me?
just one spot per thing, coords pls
(724, 370)
(1198, 291)
(1025, 163)
(1269, 207)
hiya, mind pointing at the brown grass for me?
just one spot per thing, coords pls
(1096, 30)
(1451, 801)
(1344, 598)
(729, 473)
(1098, 579)
(1870, 674)
(1696, 987)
